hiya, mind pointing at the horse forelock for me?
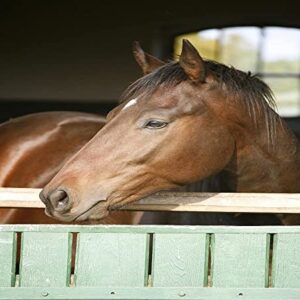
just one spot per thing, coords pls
(168, 76)
(253, 94)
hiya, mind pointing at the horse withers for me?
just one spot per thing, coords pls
(181, 123)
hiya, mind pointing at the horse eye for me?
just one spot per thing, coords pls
(155, 124)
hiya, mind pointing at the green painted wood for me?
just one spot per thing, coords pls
(179, 260)
(45, 259)
(240, 260)
(7, 258)
(111, 259)
(286, 261)
(150, 228)
(144, 293)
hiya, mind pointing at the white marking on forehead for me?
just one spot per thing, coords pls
(130, 103)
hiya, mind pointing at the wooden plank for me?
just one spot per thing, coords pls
(111, 259)
(240, 260)
(179, 260)
(286, 261)
(96, 293)
(198, 202)
(7, 259)
(45, 259)
(20, 197)
(219, 202)
(149, 229)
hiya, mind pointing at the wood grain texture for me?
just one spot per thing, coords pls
(111, 259)
(45, 259)
(20, 197)
(112, 262)
(179, 260)
(7, 258)
(98, 293)
(240, 260)
(286, 261)
(198, 202)
(137, 229)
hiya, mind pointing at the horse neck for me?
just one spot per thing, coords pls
(261, 164)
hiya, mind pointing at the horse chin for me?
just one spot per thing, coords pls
(96, 212)
(92, 215)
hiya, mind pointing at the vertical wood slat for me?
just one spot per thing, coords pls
(179, 260)
(45, 259)
(111, 259)
(240, 260)
(8, 243)
(286, 261)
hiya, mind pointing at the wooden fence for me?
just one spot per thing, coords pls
(178, 201)
(153, 262)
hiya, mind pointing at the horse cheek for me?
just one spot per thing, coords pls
(212, 152)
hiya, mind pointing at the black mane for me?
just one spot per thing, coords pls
(255, 95)
(172, 74)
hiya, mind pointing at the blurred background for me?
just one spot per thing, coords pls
(76, 55)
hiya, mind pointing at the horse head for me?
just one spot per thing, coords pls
(174, 126)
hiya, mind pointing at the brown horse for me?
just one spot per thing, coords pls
(35, 147)
(181, 123)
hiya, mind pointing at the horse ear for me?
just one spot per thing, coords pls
(191, 62)
(147, 62)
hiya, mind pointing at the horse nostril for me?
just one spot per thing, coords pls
(59, 200)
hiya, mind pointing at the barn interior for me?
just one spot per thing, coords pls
(76, 55)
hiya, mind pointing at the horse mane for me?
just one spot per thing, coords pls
(255, 95)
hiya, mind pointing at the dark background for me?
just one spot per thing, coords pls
(76, 55)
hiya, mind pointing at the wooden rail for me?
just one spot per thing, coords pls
(196, 202)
